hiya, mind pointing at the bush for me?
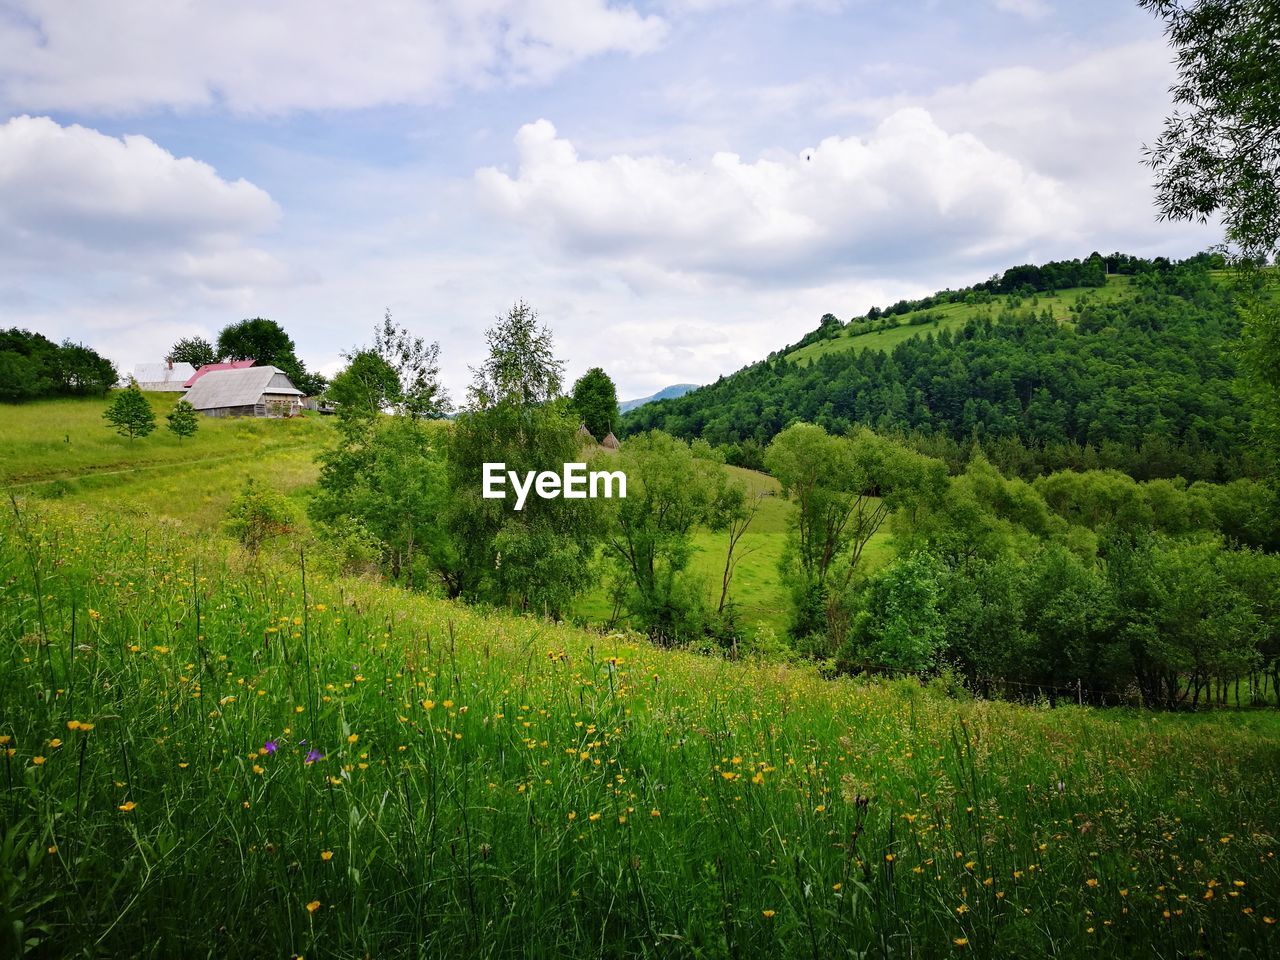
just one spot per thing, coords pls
(259, 514)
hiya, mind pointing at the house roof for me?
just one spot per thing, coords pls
(176, 374)
(239, 388)
(209, 367)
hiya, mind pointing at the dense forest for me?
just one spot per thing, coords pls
(1145, 384)
(32, 365)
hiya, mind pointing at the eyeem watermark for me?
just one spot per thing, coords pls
(575, 483)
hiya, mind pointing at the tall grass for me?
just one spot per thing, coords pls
(205, 757)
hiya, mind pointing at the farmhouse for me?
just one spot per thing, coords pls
(210, 367)
(167, 377)
(246, 392)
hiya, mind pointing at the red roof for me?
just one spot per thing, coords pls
(231, 365)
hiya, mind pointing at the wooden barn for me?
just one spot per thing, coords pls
(247, 392)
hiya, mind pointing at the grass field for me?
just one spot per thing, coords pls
(952, 316)
(204, 756)
(62, 449)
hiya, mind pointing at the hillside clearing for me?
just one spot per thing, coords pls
(952, 316)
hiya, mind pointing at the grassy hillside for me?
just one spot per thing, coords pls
(240, 762)
(64, 449)
(952, 316)
(193, 483)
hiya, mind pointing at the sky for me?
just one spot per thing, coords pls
(676, 187)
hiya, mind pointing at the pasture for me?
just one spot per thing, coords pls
(241, 760)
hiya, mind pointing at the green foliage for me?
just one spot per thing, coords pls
(521, 367)
(416, 365)
(1148, 381)
(844, 488)
(366, 386)
(32, 367)
(257, 515)
(900, 627)
(266, 342)
(130, 413)
(673, 488)
(183, 421)
(1101, 587)
(196, 351)
(541, 557)
(538, 558)
(1219, 153)
(387, 476)
(595, 401)
(383, 484)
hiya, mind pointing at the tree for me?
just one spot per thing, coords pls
(595, 401)
(900, 628)
(365, 387)
(521, 367)
(196, 351)
(258, 339)
(32, 365)
(673, 488)
(130, 413)
(416, 365)
(183, 420)
(266, 342)
(1220, 153)
(539, 558)
(844, 489)
(385, 477)
(83, 371)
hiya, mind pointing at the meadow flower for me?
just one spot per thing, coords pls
(313, 906)
(312, 756)
(270, 747)
(127, 806)
(38, 761)
(768, 914)
(326, 855)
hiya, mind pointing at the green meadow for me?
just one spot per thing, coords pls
(248, 756)
(246, 761)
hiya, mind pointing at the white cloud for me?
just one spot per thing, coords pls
(1032, 9)
(75, 201)
(908, 190)
(295, 54)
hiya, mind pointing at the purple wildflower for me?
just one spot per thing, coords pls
(313, 756)
(271, 746)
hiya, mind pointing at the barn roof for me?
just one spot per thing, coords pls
(238, 388)
(210, 367)
(173, 374)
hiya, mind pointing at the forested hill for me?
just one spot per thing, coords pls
(1132, 370)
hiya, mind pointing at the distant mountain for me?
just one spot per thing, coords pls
(666, 393)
